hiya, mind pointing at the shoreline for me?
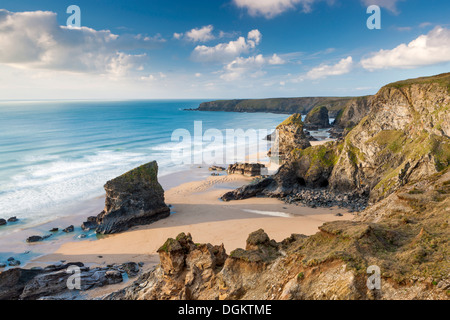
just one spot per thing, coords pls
(198, 210)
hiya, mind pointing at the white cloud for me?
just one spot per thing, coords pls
(342, 67)
(35, 40)
(203, 34)
(432, 48)
(177, 36)
(224, 52)
(272, 8)
(276, 60)
(251, 66)
(390, 5)
(242, 67)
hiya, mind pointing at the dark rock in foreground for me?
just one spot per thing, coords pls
(2, 222)
(135, 198)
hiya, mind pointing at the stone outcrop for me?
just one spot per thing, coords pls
(51, 282)
(247, 169)
(404, 138)
(317, 118)
(134, 198)
(330, 265)
(290, 136)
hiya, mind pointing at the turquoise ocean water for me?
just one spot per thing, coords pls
(55, 154)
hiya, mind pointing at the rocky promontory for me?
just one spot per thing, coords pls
(134, 198)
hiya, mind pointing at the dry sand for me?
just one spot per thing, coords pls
(197, 209)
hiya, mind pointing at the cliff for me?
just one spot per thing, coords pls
(399, 156)
(279, 105)
(404, 138)
(406, 236)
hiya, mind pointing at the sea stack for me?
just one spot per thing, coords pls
(289, 136)
(317, 118)
(134, 198)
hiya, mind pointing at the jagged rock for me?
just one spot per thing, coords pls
(13, 262)
(13, 281)
(317, 118)
(90, 224)
(13, 219)
(290, 136)
(55, 283)
(69, 229)
(54, 230)
(135, 198)
(247, 169)
(2, 222)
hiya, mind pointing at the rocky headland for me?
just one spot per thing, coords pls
(397, 158)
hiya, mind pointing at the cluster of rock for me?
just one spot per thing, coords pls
(135, 198)
(34, 239)
(248, 169)
(330, 265)
(327, 199)
(12, 262)
(4, 222)
(52, 282)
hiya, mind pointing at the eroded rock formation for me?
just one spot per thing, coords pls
(134, 198)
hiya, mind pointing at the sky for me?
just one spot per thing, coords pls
(217, 49)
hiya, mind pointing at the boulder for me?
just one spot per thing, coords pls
(13, 219)
(34, 239)
(69, 229)
(2, 222)
(135, 198)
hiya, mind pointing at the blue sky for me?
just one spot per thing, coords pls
(210, 49)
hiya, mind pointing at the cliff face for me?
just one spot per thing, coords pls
(404, 138)
(280, 105)
(399, 155)
(134, 198)
(355, 110)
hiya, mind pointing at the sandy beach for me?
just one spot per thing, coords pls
(197, 209)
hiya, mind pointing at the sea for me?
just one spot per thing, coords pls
(55, 154)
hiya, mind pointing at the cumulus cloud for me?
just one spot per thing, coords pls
(35, 40)
(272, 8)
(243, 66)
(251, 66)
(276, 60)
(203, 34)
(342, 67)
(224, 52)
(432, 48)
